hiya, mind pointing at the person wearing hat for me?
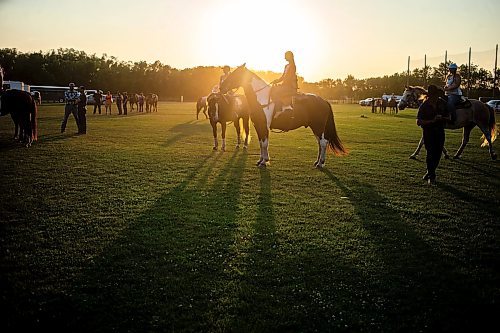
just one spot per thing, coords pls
(452, 89)
(288, 88)
(430, 118)
(71, 100)
(82, 110)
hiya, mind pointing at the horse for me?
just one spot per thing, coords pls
(308, 110)
(151, 103)
(228, 108)
(154, 103)
(133, 100)
(201, 104)
(392, 104)
(477, 114)
(23, 110)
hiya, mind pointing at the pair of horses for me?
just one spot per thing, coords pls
(308, 110)
(23, 109)
(477, 114)
(151, 103)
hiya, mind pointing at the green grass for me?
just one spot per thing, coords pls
(140, 227)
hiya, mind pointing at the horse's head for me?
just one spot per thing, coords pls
(235, 79)
(411, 96)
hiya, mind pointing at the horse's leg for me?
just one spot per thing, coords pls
(238, 132)
(223, 130)
(264, 154)
(319, 152)
(417, 151)
(214, 131)
(246, 127)
(445, 153)
(487, 136)
(465, 140)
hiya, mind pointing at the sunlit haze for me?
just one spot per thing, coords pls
(330, 38)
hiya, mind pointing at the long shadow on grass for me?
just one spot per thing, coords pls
(181, 131)
(166, 270)
(422, 290)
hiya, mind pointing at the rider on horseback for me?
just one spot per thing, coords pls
(452, 90)
(283, 93)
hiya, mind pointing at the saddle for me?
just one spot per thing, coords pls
(464, 103)
(287, 104)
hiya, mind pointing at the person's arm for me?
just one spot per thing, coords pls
(281, 78)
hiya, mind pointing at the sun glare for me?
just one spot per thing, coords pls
(259, 32)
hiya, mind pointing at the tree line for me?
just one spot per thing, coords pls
(61, 66)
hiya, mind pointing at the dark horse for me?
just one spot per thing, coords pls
(308, 110)
(201, 105)
(23, 110)
(228, 108)
(477, 114)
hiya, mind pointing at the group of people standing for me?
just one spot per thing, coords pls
(122, 102)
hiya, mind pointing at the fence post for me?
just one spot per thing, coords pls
(495, 72)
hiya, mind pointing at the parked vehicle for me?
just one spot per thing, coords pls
(495, 104)
(366, 101)
(90, 96)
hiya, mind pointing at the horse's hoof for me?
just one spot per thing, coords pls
(262, 165)
(245, 147)
(456, 157)
(223, 149)
(494, 157)
(214, 148)
(413, 157)
(237, 147)
(316, 163)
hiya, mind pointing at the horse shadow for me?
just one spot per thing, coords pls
(412, 271)
(154, 274)
(183, 131)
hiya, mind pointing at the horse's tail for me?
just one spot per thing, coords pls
(34, 123)
(334, 141)
(492, 126)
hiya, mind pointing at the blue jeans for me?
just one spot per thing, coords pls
(452, 101)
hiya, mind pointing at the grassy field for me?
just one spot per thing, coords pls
(140, 227)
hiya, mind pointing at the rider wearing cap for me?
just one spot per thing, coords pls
(452, 89)
(289, 86)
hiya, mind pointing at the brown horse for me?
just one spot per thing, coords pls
(23, 110)
(228, 108)
(152, 103)
(201, 105)
(308, 110)
(478, 114)
(133, 101)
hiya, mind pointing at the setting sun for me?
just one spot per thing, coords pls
(259, 33)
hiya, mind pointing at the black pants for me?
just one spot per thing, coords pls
(82, 120)
(97, 106)
(434, 143)
(125, 108)
(68, 110)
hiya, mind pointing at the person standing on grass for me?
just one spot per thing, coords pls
(97, 101)
(71, 99)
(125, 101)
(119, 102)
(108, 102)
(140, 101)
(430, 118)
(82, 110)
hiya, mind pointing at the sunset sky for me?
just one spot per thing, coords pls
(330, 38)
